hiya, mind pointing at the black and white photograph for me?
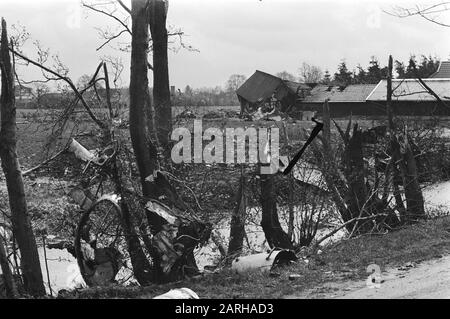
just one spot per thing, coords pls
(237, 153)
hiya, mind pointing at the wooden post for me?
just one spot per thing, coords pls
(237, 226)
(389, 98)
(407, 166)
(394, 145)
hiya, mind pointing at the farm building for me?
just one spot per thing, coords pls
(266, 91)
(443, 71)
(409, 98)
(342, 100)
(23, 93)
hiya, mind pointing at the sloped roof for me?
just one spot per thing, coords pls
(351, 93)
(259, 86)
(295, 86)
(443, 71)
(411, 90)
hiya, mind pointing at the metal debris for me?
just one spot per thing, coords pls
(263, 261)
(80, 151)
(294, 277)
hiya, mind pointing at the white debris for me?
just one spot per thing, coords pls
(181, 293)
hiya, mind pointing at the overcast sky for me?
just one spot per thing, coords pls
(240, 36)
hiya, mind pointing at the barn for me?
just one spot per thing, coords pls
(266, 91)
(409, 98)
(343, 101)
(443, 71)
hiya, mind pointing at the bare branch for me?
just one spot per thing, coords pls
(124, 6)
(429, 13)
(31, 170)
(111, 39)
(356, 219)
(127, 29)
(65, 79)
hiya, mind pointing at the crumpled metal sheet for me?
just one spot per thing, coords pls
(263, 261)
(162, 211)
(163, 243)
(79, 196)
(85, 155)
(100, 264)
(80, 151)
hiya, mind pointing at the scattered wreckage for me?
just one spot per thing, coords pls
(101, 245)
(101, 248)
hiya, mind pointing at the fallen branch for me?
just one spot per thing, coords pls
(31, 170)
(356, 219)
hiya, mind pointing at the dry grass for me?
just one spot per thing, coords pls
(346, 260)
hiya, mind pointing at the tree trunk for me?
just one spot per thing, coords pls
(357, 196)
(161, 89)
(414, 198)
(144, 150)
(237, 226)
(143, 147)
(275, 235)
(7, 275)
(23, 232)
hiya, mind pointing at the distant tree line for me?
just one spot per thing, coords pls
(217, 96)
(426, 66)
(226, 95)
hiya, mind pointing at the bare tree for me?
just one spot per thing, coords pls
(434, 13)
(160, 123)
(310, 73)
(285, 75)
(22, 229)
(144, 149)
(120, 15)
(161, 92)
(234, 82)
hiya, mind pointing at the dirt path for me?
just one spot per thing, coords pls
(430, 279)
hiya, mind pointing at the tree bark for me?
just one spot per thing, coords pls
(237, 226)
(31, 269)
(413, 193)
(161, 90)
(398, 169)
(144, 150)
(275, 235)
(6, 272)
